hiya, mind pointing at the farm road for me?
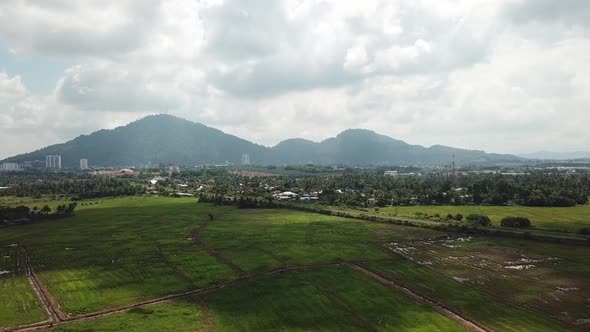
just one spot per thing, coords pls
(443, 310)
(357, 265)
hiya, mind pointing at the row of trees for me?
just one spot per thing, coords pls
(24, 214)
(515, 222)
(371, 188)
(82, 187)
(367, 189)
(241, 202)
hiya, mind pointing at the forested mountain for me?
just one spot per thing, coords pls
(547, 155)
(168, 139)
(153, 139)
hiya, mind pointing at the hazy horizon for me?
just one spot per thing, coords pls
(507, 76)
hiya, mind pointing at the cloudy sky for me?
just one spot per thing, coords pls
(499, 75)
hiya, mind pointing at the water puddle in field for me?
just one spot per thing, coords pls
(519, 267)
(531, 261)
(567, 289)
(13, 245)
(461, 280)
(400, 249)
(464, 239)
(583, 321)
(2, 272)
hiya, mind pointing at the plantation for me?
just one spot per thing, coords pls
(148, 263)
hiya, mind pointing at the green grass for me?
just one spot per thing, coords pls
(327, 299)
(120, 251)
(107, 255)
(32, 202)
(123, 250)
(181, 315)
(259, 240)
(555, 282)
(18, 304)
(489, 311)
(568, 219)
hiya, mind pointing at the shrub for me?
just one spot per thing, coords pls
(516, 222)
(479, 219)
(449, 216)
(459, 217)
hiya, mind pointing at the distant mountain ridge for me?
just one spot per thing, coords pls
(550, 155)
(168, 139)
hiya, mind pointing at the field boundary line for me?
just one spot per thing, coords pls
(343, 305)
(209, 321)
(177, 271)
(195, 235)
(47, 300)
(167, 298)
(171, 297)
(526, 234)
(549, 314)
(467, 323)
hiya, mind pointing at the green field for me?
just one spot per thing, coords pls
(117, 252)
(548, 278)
(18, 304)
(567, 219)
(327, 299)
(488, 310)
(181, 315)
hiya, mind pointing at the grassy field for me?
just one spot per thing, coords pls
(327, 299)
(181, 315)
(547, 278)
(18, 304)
(108, 254)
(117, 252)
(259, 240)
(568, 219)
(495, 314)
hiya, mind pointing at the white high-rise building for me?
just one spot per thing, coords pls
(245, 159)
(53, 161)
(10, 167)
(83, 163)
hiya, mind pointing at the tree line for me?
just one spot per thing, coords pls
(23, 214)
(82, 187)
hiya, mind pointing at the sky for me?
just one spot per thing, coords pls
(503, 76)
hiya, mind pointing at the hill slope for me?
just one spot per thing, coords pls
(365, 147)
(153, 139)
(168, 139)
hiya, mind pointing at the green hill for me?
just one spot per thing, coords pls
(168, 139)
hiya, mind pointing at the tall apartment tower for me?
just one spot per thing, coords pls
(83, 163)
(9, 167)
(53, 161)
(245, 159)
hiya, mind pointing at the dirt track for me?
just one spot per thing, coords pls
(196, 238)
(58, 318)
(465, 322)
(472, 326)
(48, 324)
(45, 298)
